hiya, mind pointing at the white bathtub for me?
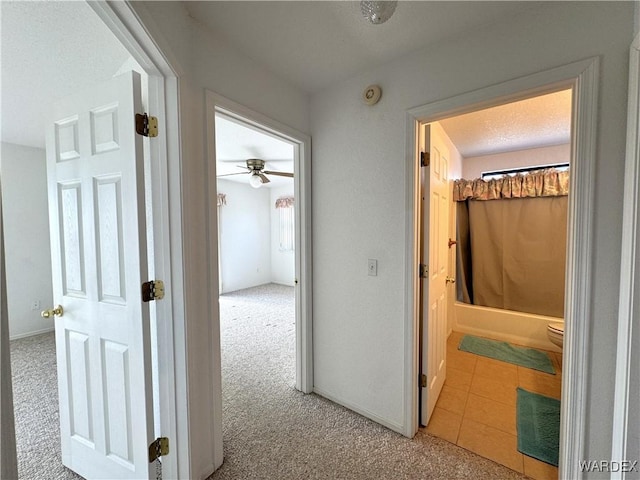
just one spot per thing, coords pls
(525, 329)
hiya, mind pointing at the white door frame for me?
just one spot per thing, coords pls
(302, 192)
(582, 77)
(629, 307)
(164, 151)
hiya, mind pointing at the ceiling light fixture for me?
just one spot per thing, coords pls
(255, 181)
(378, 12)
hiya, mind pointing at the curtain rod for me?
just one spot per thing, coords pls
(522, 170)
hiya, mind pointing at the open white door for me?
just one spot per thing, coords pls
(97, 222)
(435, 230)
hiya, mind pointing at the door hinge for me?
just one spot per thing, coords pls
(423, 271)
(152, 290)
(425, 159)
(146, 126)
(423, 381)
(158, 448)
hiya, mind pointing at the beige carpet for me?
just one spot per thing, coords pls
(272, 431)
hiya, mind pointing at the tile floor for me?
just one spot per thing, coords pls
(477, 407)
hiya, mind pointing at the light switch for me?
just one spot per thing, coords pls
(372, 267)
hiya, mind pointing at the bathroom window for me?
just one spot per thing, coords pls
(495, 174)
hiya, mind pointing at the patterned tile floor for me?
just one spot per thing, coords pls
(477, 407)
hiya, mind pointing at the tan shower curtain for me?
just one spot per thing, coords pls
(512, 247)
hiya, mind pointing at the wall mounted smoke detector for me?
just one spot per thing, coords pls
(371, 94)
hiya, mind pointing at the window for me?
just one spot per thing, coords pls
(286, 220)
(495, 174)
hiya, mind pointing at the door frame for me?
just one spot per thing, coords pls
(302, 193)
(629, 307)
(164, 151)
(582, 78)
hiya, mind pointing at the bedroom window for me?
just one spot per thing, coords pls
(284, 206)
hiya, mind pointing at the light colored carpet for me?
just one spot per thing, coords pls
(35, 397)
(272, 431)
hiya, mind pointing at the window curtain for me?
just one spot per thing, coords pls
(284, 202)
(512, 250)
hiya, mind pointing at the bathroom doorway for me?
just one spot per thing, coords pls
(580, 77)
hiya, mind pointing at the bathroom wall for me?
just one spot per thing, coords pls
(472, 167)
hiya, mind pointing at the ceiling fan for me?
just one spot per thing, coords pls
(255, 168)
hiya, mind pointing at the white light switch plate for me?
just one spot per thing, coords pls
(372, 267)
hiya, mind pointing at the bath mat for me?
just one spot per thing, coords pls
(538, 422)
(525, 357)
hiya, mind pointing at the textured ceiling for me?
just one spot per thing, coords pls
(235, 143)
(316, 43)
(534, 122)
(49, 50)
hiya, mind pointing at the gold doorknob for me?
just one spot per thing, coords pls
(59, 311)
(451, 280)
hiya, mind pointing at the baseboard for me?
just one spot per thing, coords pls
(396, 427)
(31, 334)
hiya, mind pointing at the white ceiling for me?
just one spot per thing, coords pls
(316, 43)
(534, 122)
(237, 142)
(49, 50)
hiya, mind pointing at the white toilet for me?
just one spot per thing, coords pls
(555, 332)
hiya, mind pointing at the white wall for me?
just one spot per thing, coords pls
(249, 238)
(206, 62)
(472, 167)
(359, 192)
(26, 222)
(245, 236)
(283, 267)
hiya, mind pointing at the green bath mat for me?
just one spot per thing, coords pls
(538, 421)
(525, 357)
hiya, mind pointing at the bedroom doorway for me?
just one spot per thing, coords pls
(259, 184)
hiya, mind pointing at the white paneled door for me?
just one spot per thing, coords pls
(97, 226)
(435, 231)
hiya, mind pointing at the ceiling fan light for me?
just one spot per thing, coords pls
(377, 12)
(255, 181)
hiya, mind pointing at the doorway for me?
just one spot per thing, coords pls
(516, 247)
(581, 78)
(118, 21)
(223, 113)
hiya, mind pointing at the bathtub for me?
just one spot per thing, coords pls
(527, 329)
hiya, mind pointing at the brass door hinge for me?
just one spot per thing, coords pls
(423, 381)
(152, 290)
(158, 448)
(146, 126)
(425, 159)
(423, 271)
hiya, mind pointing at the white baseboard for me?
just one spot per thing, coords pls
(31, 334)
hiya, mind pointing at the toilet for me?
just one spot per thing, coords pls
(555, 332)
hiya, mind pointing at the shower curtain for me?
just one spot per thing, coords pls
(512, 242)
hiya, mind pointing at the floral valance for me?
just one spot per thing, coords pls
(284, 202)
(538, 183)
(222, 199)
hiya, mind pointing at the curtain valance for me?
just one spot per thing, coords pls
(284, 202)
(222, 199)
(538, 183)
